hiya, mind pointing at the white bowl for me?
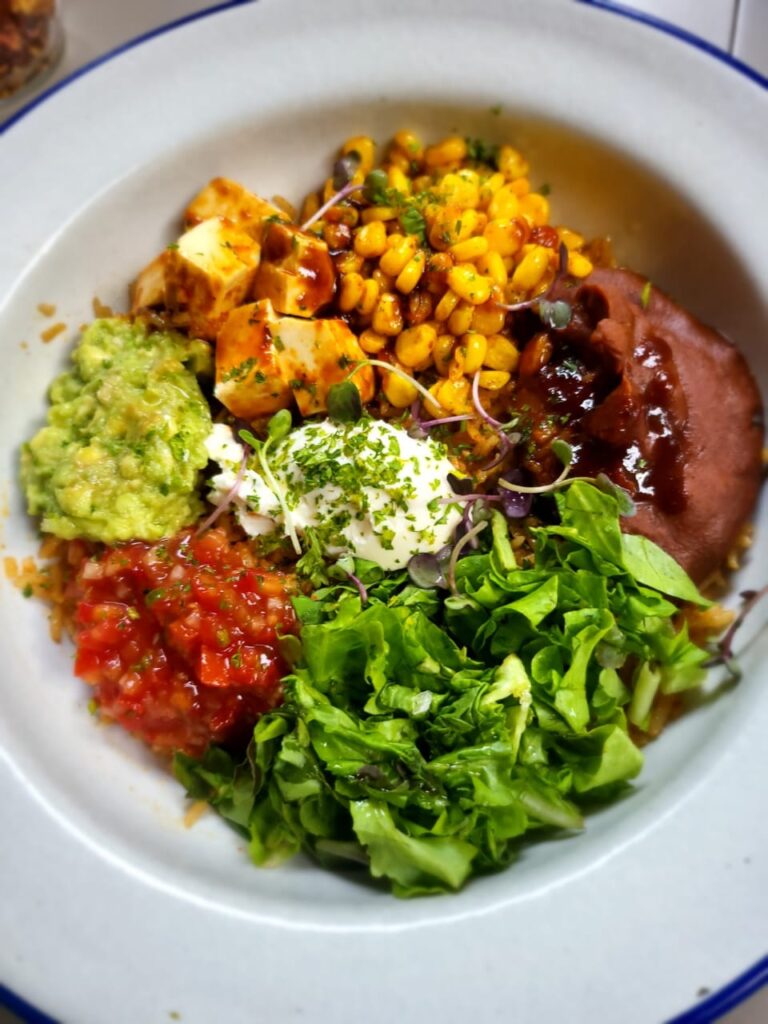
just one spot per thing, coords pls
(639, 137)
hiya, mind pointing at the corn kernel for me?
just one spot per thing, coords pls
(468, 284)
(483, 440)
(531, 269)
(579, 265)
(451, 150)
(310, 206)
(371, 240)
(446, 305)
(470, 249)
(442, 351)
(535, 208)
(400, 393)
(420, 305)
(409, 143)
(401, 248)
(349, 263)
(488, 318)
(367, 301)
(453, 394)
(350, 292)
(388, 316)
(493, 380)
(459, 189)
(460, 320)
(397, 158)
(504, 236)
(504, 204)
(511, 163)
(373, 213)
(472, 349)
(492, 265)
(501, 354)
(451, 224)
(371, 342)
(365, 148)
(411, 273)
(414, 346)
(490, 187)
(399, 180)
(385, 282)
(570, 239)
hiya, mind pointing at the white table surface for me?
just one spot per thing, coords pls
(93, 27)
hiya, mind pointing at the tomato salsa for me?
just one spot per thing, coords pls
(179, 639)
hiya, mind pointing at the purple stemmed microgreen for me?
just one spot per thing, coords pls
(229, 497)
(557, 314)
(428, 571)
(375, 188)
(390, 368)
(361, 588)
(468, 538)
(514, 505)
(419, 428)
(564, 452)
(724, 654)
(506, 442)
(336, 198)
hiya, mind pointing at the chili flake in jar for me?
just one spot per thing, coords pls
(180, 639)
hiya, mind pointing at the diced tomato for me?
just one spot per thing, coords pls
(179, 639)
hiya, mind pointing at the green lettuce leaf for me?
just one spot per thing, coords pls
(425, 736)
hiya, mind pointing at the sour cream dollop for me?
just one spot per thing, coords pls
(365, 488)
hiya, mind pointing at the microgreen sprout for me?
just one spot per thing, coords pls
(278, 428)
(468, 537)
(563, 451)
(398, 373)
(338, 197)
(345, 169)
(347, 565)
(724, 648)
(556, 315)
(506, 441)
(229, 497)
(428, 571)
(344, 402)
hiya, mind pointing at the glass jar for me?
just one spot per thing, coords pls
(30, 42)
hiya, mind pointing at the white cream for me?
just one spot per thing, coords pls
(366, 488)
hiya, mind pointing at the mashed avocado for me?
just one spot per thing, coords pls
(120, 458)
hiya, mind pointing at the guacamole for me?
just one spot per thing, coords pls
(121, 455)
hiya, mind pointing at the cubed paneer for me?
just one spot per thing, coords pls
(296, 272)
(313, 355)
(223, 197)
(248, 377)
(209, 272)
(149, 287)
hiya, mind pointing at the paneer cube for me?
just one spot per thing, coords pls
(296, 273)
(209, 272)
(313, 355)
(248, 376)
(149, 287)
(222, 197)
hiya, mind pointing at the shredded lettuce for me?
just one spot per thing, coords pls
(424, 736)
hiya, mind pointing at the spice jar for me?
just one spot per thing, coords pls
(30, 42)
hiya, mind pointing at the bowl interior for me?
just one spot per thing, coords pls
(105, 786)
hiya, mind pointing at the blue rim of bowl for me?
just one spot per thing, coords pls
(755, 977)
(682, 34)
